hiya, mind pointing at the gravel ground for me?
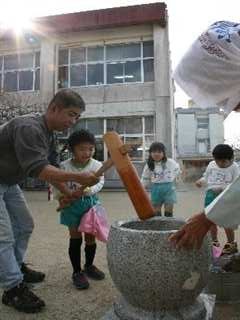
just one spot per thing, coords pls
(48, 252)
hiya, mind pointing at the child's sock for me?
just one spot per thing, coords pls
(90, 251)
(75, 254)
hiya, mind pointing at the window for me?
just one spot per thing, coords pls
(137, 131)
(109, 64)
(20, 72)
(203, 122)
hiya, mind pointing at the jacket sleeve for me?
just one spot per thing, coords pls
(31, 150)
(225, 209)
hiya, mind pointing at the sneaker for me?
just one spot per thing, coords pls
(80, 281)
(94, 273)
(230, 248)
(216, 243)
(31, 276)
(22, 299)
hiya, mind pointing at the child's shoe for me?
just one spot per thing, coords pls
(230, 248)
(216, 243)
(80, 281)
(94, 273)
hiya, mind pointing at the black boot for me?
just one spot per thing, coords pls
(78, 277)
(92, 271)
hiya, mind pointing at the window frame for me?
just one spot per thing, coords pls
(105, 62)
(33, 69)
(144, 135)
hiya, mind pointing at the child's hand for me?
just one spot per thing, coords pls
(78, 193)
(198, 183)
(64, 202)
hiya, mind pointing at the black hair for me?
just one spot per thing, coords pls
(156, 146)
(223, 152)
(80, 136)
(67, 98)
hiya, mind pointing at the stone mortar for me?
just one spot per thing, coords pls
(148, 271)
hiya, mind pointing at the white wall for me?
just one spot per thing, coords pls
(186, 133)
(216, 129)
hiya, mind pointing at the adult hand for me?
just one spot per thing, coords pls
(87, 179)
(191, 235)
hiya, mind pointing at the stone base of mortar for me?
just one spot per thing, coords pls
(202, 309)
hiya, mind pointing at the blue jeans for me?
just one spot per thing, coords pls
(16, 226)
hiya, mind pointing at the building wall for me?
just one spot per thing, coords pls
(216, 129)
(198, 131)
(103, 101)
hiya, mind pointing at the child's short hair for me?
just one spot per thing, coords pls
(80, 136)
(223, 152)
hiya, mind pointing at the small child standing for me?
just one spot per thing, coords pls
(160, 173)
(77, 200)
(219, 174)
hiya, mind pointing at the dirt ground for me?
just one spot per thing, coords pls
(48, 252)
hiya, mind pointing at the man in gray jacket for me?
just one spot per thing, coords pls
(25, 144)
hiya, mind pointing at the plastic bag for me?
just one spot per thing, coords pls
(95, 222)
(216, 252)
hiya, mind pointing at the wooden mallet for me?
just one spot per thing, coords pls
(128, 174)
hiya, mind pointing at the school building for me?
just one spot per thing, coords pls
(118, 59)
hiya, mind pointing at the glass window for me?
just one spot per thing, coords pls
(1, 62)
(37, 59)
(149, 125)
(95, 126)
(148, 70)
(78, 75)
(25, 80)
(95, 53)
(99, 153)
(136, 147)
(133, 125)
(81, 124)
(95, 74)
(10, 81)
(25, 61)
(115, 73)
(123, 63)
(37, 79)
(63, 57)
(148, 141)
(10, 62)
(63, 77)
(132, 71)
(78, 55)
(115, 52)
(132, 50)
(148, 49)
(115, 125)
(203, 123)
